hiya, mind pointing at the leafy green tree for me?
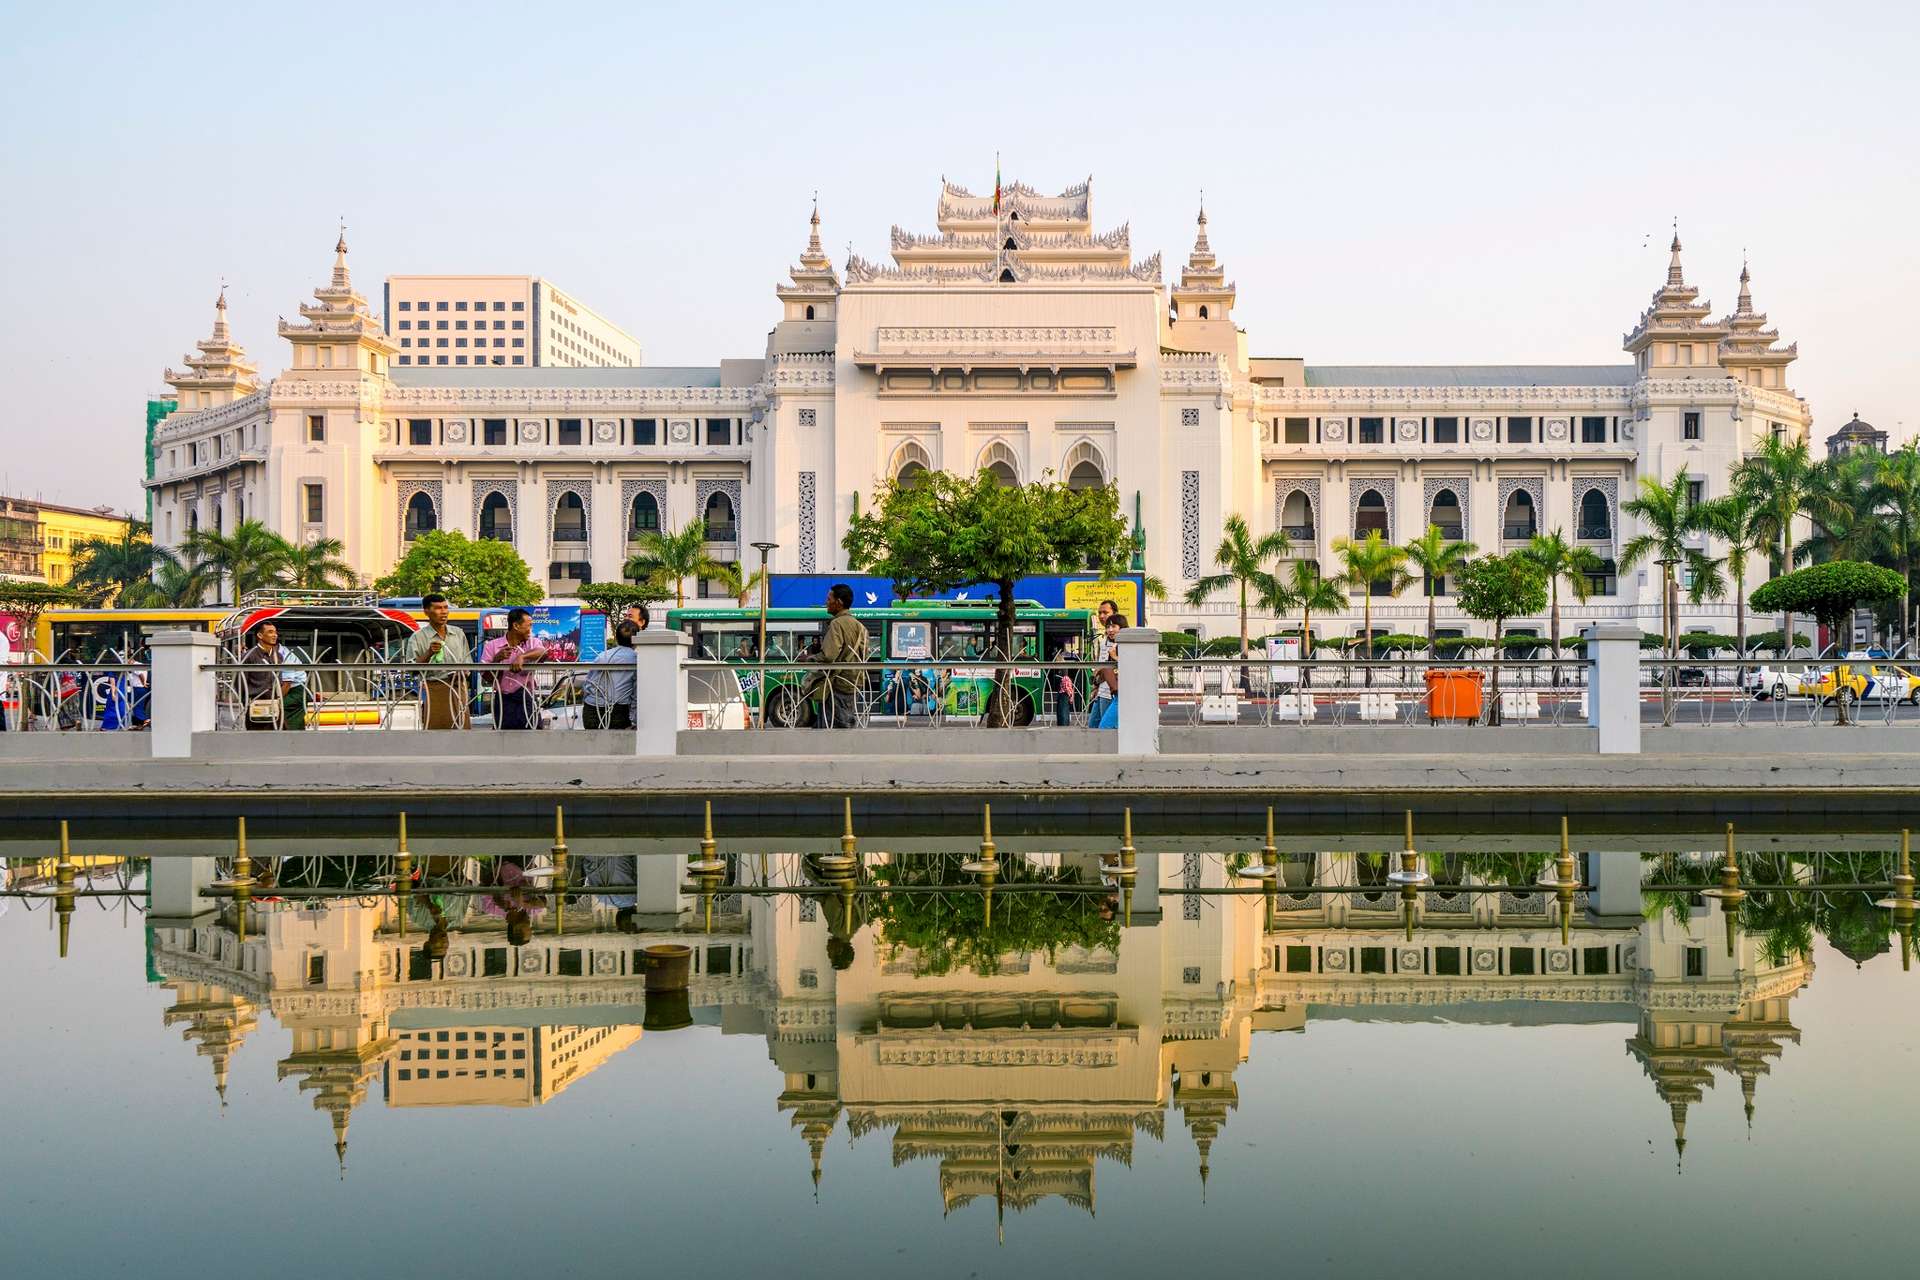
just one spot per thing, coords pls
(671, 558)
(1896, 492)
(1779, 477)
(1561, 561)
(1243, 561)
(249, 558)
(28, 600)
(1738, 520)
(1829, 592)
(1369, 561)
(479, 574)
(108, 569)
(1495, 588)
(1310, 593)
(1668, 516)
(946, 532)
(318, 565)
(1438, 558)
(612, 598)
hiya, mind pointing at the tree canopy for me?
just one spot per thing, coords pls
(944, 531)
(611, 598)
(478, 574)
(1495, 588)
(1830, 591)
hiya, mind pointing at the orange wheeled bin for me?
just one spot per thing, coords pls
(1453, 695)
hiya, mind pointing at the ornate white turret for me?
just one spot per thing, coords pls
(814, 285)
(336, 331)
(1748, 352)
(1674, 332)
(220, 373)
(1203, 292)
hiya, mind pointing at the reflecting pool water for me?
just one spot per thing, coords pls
(1472, 1063)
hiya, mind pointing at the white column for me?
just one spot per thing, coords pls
(174, 886)
(182, 696)
(1613, 686)
(660, 707)
(1139, 692)
(1615, 877)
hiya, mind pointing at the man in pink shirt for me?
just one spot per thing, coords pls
(516, 705)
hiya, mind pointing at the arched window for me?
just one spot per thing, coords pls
(809, 311)
(1203, 312)
(1371, 515)
(1444, 515)
(998, 459)
(421, 517)
(1519, 522)
(219, 515)
(910, 465)
(719, 519)
(1596, 522)
(193, 519)
(570, 519)
(1084, 467)
(643, 517)
(1296, 516)
(496, 519)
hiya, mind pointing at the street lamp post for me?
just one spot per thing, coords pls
(761, 646)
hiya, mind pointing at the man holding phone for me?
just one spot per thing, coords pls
(444, 693)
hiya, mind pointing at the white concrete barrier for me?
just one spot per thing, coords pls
(1139, 692)
(183, 698)
(1613, 687)
(660, 709)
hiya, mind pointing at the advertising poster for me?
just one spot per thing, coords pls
(567, 632)
(1054, 591)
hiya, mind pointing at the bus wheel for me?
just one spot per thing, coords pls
(783, 709)
(1022, 711)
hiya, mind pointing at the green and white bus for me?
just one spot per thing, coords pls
(925, 645)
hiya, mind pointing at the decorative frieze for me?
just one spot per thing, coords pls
(1190, 524)
(535, 399)
(808, 521)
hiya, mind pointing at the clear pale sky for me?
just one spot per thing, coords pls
(1422, 183)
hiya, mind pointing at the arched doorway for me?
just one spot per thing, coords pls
(570, 519)
(1519, 521)
(1596, 521)
(1370, 516)
(719, 519)
(643, 517)
(1445, 515)
(421, 517)
(1296, 516)
(496, 519)
(998, 460)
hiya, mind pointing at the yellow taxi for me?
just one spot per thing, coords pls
(1863, 682)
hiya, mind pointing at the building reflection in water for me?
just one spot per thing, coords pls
(1016, 1057)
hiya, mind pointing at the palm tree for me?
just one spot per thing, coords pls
(110, 568)
(739, 585)
(251, 557)
(1371, 560)
(1244, 561)
(1739, 521)
(1437, 558)
(318, 565)
(1310, 593)
(1778, 477)
(1842, 504)
(174, 586)
(1896, 485)
(674, 557)
(1560, 561)
(1668, 516)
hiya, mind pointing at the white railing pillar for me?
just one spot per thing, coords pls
(1139, 692)
(1613, 687)
(174, 886)
(182, 697)
(660, 691)
(1615, 877)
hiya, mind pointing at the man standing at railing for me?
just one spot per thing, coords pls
(6, 659)
(277, 694)
(445, 693)
(609, 694)
(845, 641)
(517, 706)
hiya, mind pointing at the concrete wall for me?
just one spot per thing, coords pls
(1352, 740)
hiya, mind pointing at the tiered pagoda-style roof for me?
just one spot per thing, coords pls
(1203, 278)
(217, 1023)
(813, 277)
(338, 316)
(1749, 343)
(1676, 312)
(1028, 237)
(220, 365)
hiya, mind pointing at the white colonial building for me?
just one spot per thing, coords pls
(1016, 338)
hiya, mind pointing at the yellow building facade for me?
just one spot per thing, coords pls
(64, 528)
